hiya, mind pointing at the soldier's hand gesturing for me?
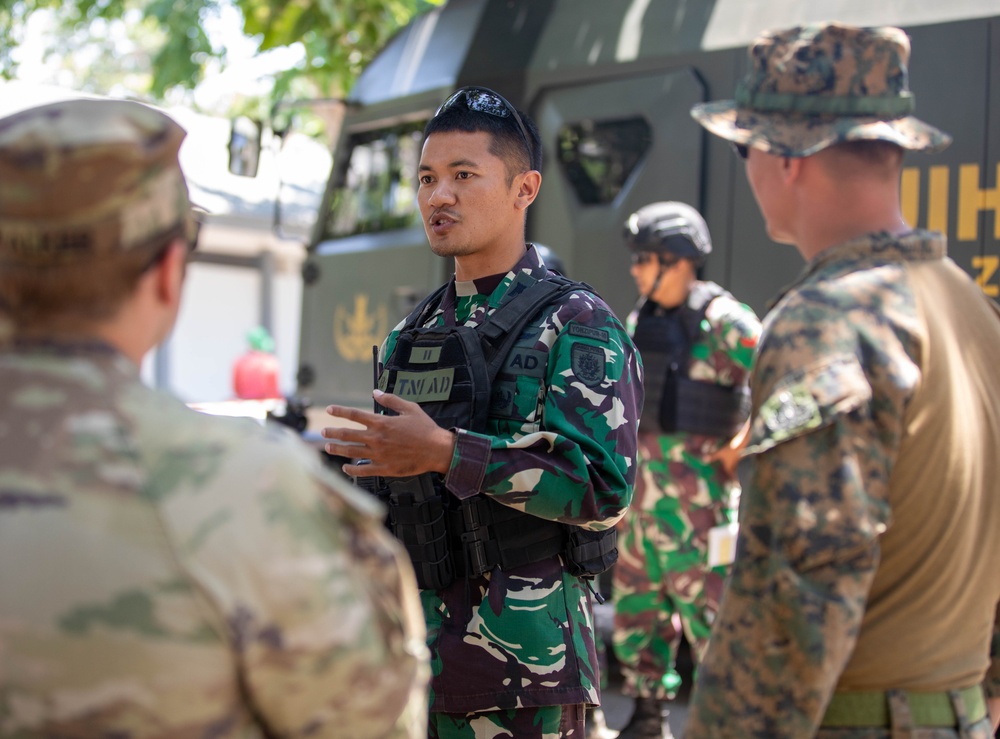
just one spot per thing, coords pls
(409, 443)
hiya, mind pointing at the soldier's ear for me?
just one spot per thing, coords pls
(791, 168)
(169, 273)
(528, 184)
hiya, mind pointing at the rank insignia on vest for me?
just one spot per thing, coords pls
(588, 364)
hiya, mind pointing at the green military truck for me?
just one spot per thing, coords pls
(610, 85)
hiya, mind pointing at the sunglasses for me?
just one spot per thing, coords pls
(742, 150)
(192, 244)
(645, 257)
(484, 100)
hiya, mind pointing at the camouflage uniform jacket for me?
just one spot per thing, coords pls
(526, 637)
(164, 573)
(867, 551)
(698, 494)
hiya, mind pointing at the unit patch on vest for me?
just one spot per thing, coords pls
(425, 387)
(529, 362)
(598, 334)
(588, 364)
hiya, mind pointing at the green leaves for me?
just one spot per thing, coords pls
(163, 45)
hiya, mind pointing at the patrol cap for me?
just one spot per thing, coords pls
(83, 179)
(810, 87)
(669, 227)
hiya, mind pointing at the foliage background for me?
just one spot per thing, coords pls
(162, 49)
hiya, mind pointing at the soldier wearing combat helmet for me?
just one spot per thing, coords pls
(697, 343)
(163, 573)
(864, 596)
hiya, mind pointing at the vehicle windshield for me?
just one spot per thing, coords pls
(379, 190)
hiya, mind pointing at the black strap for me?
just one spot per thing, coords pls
(501, 330)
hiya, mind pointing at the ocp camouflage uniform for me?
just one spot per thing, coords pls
(662, 580)
(525, 638)
(165, 573)
(867, 554)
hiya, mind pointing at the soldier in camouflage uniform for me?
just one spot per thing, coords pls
(865, 591)
(164, 573)
(512, 649)
(697, 343)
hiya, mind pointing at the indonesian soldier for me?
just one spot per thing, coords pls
(508, 444)
(164, 573)
(697, 343)
(864, 596)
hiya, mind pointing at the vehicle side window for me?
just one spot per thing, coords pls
(598, 156)
(378, 192)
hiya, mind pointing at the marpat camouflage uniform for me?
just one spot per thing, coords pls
(662, 572)
(525, 638)
(826, 587)
(165, 573)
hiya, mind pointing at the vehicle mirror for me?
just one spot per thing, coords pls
(244, 146)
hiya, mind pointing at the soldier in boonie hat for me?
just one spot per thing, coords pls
(813, 86)
(871, 462)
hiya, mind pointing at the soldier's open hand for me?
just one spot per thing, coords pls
(409, 443)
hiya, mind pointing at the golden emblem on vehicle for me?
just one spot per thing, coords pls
(356, 332)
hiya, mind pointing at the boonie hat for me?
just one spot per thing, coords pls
(810, 87)
(669, 227)
(82, 179)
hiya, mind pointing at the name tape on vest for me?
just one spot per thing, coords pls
(425, 387)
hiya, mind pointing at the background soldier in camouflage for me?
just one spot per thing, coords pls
(163, 573)
(865, 589)
(512, 652)
(685, 329)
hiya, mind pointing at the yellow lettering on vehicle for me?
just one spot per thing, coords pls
(987, 267)
(972, 199)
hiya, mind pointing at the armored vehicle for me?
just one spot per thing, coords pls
(610, 85)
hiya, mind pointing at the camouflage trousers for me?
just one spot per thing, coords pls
(662, 585)
(545, 722)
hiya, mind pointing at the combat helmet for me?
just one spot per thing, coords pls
(669, 228)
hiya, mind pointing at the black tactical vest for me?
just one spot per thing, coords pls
(462, 376)
(674, 402)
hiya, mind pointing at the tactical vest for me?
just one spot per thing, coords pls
(462, 376)
(674, 402)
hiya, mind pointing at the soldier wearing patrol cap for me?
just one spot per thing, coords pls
(697, 342)
(864, 596)
(163, 573)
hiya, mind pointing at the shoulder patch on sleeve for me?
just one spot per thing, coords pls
(807, 400)
(588, 364)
